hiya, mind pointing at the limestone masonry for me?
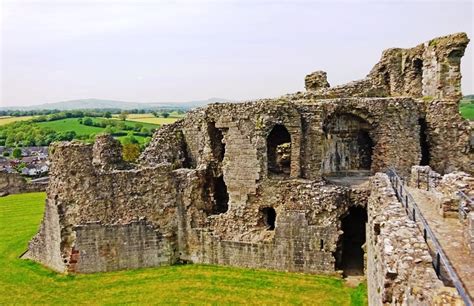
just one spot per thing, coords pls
(275, 183)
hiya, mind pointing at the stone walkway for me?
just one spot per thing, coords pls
(449, 232)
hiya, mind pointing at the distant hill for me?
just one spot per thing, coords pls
(102, 103)
(468, 97)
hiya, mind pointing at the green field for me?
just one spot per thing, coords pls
(150, 118)
(72, 124)
(466, 108)
(9, 119)
(25, 282)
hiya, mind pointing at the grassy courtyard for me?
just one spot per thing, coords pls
(25, 282)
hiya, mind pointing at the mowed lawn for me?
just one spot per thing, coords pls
(25, 282)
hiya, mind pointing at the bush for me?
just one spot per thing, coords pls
(130, 140)
(87, 121)
(16, 153)
(130, 152)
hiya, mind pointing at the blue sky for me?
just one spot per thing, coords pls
(151, 51)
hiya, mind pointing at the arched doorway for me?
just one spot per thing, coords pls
(348, 146)
(279, 151)
(349, 253)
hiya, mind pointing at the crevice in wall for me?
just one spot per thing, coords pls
(424, 144)
(220, 195)
(216, 138)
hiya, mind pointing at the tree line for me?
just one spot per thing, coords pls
(45, 112)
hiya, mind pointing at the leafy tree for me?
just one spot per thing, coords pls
(138, 127)
(123, 115)
(130, 152)
(165, 115)
(16, 153)
(108, 115)
(87, 121)
(110, 129)
(130, 139)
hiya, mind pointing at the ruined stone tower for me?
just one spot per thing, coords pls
(275, 183)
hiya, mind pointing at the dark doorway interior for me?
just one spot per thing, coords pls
(221, 197)
(424, 145)
(279, 151)
(269, 217)
(349, 254)
(365, 146)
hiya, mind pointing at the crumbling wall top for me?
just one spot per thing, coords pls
(430, 69)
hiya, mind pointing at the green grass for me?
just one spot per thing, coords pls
(466, 108)
(25, 282)
(71, 124)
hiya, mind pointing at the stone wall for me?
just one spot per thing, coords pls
(444, 188)
(431, 69)
(80, 193)
(100, 247)
(469, 232)
(206, 180)
(307, 228)
(448, 137)
(11, 183)
(423, 177)
(399, 268)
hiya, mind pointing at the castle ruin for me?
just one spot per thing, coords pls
(295, 183)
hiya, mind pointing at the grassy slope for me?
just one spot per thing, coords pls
(22, 281)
